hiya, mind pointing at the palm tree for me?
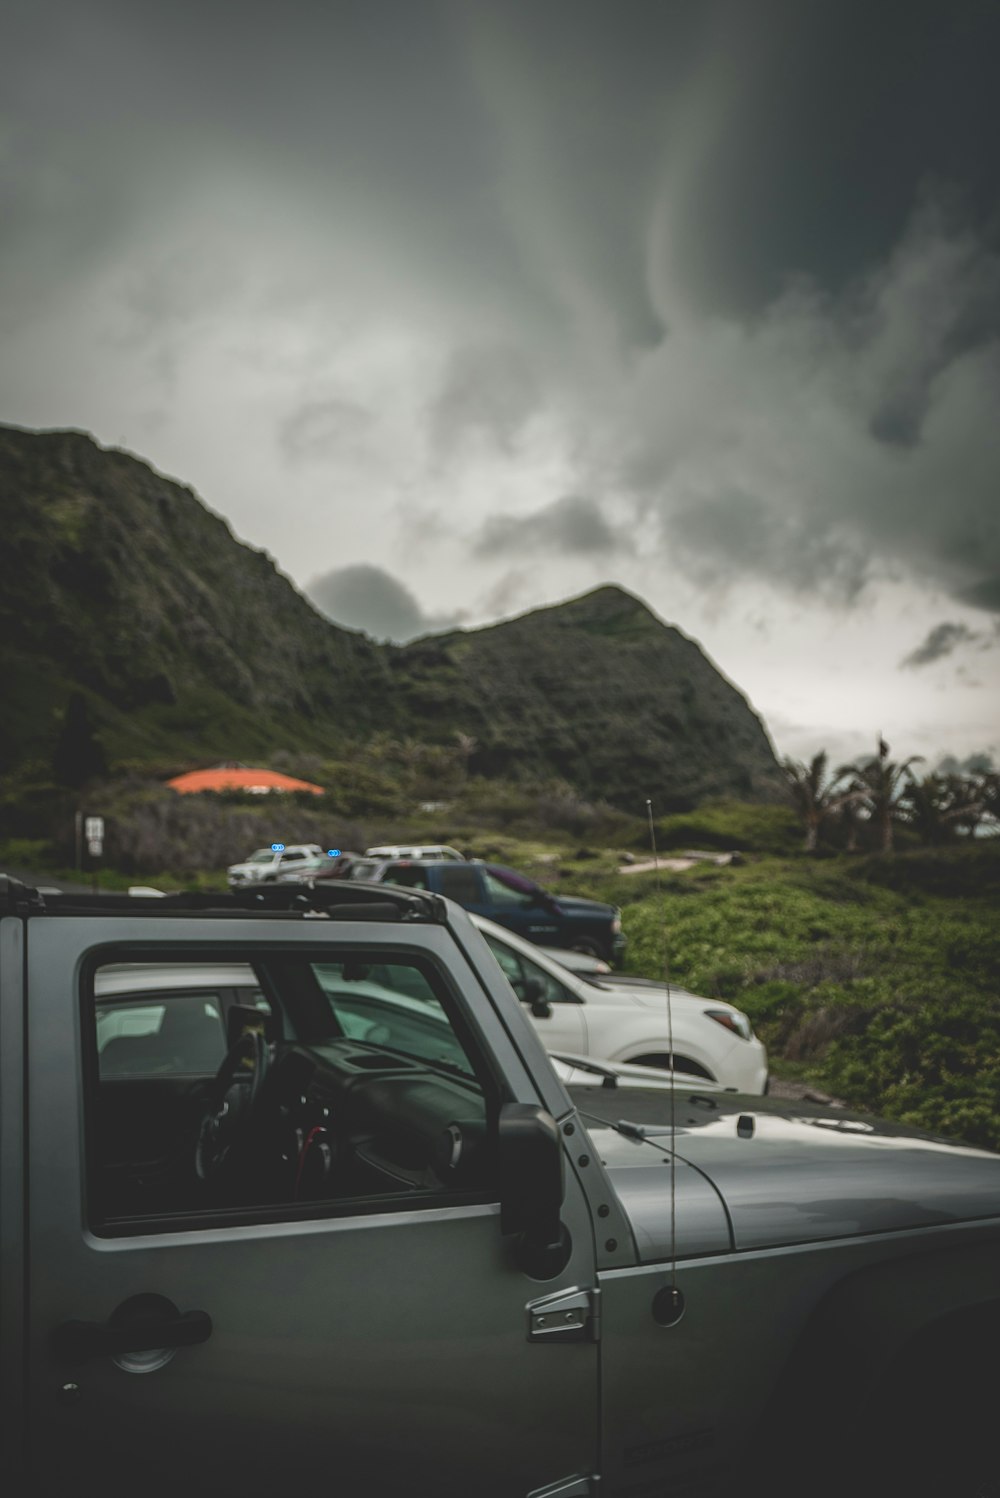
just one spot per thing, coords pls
(939, 804)
(815, 797)
(881, 786)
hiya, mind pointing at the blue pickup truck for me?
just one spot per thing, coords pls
(511, 899)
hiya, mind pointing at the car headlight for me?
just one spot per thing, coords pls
(732, 1019)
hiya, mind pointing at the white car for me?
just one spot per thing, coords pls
(268, 863)
(412, 850)
(600, 1017)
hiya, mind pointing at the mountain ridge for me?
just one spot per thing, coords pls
(189, 644)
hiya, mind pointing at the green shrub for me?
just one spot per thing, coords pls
(732, 825)
(888, 1001)
(25, 853)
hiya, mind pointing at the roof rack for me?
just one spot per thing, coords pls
(353, 902)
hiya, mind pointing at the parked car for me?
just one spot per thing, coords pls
(336, 865)
(268, 863)
(598, 1016)
(423, 850)
(512, 900)
(383, 1244)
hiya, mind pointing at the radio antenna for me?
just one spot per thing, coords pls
(675, 1308)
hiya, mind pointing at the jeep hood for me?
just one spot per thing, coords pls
(754, 1173)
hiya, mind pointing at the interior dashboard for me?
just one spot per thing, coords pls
(363, 1119)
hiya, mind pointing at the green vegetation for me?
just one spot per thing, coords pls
(879, 978)
(876, 798)
(730, 825)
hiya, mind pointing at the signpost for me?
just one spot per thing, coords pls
(93, 829)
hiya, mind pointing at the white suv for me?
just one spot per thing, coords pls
(610, 1018)
(268, 863)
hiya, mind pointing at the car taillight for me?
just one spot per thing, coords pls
(616, 923)
(732, 1019)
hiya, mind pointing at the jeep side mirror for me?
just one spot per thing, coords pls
(530, 1161)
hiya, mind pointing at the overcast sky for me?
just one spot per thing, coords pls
(460, 308)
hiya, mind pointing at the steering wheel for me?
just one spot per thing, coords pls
(229, 1110)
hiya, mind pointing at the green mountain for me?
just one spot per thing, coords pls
(189, 647)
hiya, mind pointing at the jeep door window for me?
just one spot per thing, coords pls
(314, 1084)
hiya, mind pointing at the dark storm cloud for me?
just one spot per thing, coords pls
(983, 595)
(751, 442)
(572, 525)
(942, 640)
(368, 598)
(692, 247)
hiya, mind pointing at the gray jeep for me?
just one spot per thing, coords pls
(293, 1201)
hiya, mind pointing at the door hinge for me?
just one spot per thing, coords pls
(566, 1316)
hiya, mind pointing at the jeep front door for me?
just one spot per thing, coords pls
(361, 1346)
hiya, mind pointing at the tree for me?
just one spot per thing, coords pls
(815, 797)
(989, 789)
(938, 805)
(881, 786)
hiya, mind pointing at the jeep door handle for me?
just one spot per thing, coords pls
(81, 1341)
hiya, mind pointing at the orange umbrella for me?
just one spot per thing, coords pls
(239, 778)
